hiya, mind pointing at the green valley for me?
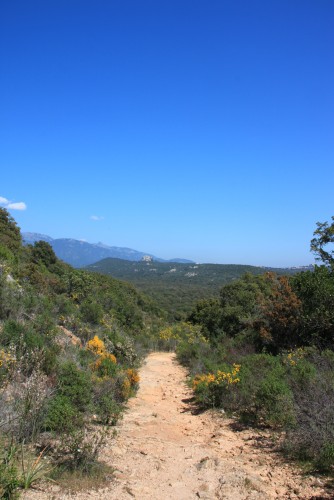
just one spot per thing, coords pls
(176, 287)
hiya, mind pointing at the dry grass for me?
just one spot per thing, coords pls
(76, 481)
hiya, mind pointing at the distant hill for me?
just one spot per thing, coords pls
(177, 286)
(80, 253)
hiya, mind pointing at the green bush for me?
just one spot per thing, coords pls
(91, 312)
(9, 478)
(108, 410)
(107, 368)
(62, 416)
(274, 402)
(312, 382)
(21, 336)
(76, 385)
(325, 460)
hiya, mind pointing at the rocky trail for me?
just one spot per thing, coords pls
(165, 449)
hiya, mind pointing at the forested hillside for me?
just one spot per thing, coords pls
(70, 344)
(177, 286)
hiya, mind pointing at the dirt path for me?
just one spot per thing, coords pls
(166, 451)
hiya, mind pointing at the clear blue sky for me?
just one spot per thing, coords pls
(183, 128)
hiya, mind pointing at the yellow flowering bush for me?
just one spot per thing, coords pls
(105, 366)
(105, 363)
(126, 388)
(133, 376)
(96, 345)
(210, 388)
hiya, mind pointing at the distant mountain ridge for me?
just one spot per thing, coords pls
(81, 253)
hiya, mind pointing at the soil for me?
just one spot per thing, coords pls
(166, 449)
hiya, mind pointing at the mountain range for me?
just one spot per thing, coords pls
(81, 253)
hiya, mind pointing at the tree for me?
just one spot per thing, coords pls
(278, 324)
(323, 236)
(315, 290)
(43, 252)
(10, 235)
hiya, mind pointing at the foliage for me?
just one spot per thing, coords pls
(109, 410)
(76, 385)
(80, 449)
(69, 349)
(9, 475)
(315, 291)
(33, 469)
(211, 389)
(311, 379)
(177, 286)
(277, 324)
(173, 336)
(10, 235)
(91, 311)
(62, 416)
(324, 236)
(42, 253)
(280, 330)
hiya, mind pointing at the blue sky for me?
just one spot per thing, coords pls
(182, 128)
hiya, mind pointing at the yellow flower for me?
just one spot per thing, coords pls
(132, 376)
(96, 345)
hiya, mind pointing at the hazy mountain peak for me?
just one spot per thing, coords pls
(80, 253)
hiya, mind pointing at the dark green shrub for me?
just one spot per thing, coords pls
(273, 401)
(76, 385)
(10, 235)
(62, 416)
(91, 312)
(50, 360)
(316, 291)
(43, 253)
(108, 410)
(106, 368)
(325, 459)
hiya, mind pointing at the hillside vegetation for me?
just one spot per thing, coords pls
(70, 343)
(258, 345)
(176, 286)
(263, 350)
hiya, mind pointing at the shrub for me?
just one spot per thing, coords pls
(23, 405)
(214, 389)
(312, 384)
(273, 401)
(91, 312)
(80, 449)
(24, 339)
(76, 385)
(62, 416)
(9, 479)
(108, 410)
(105, 366)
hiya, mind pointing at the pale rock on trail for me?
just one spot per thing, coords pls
(163, 450)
